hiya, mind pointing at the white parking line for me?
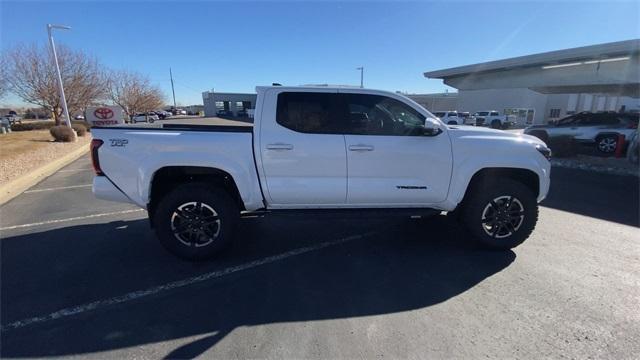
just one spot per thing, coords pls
(173, 285)
(70, 219)
(57, 188)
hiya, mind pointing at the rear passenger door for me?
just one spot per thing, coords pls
(390, 160)
(302, 150)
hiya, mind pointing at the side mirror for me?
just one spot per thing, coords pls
(431, 128)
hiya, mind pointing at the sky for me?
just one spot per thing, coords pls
(235, 46)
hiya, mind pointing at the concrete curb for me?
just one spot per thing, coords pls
(17, 186)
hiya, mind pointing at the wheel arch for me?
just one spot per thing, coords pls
(168, 177)
(600, 135)
(484, 176)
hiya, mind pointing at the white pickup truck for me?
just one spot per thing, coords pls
(320, 149)
(494, 119)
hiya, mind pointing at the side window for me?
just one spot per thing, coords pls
(611, 119)
(307, 112)
(595, 119)
(379, 115)
(494, 113)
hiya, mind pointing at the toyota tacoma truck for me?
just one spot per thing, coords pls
(318, 149)
(494, 119)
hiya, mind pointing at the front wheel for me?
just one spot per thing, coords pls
(500, 215)
(496, 124)
(196, 221)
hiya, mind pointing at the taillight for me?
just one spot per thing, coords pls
(95, 145)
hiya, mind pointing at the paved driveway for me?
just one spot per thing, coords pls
(87, 277)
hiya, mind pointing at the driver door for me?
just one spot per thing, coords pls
(389, 160)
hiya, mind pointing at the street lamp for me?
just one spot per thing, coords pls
(361, 75)
(55, 59)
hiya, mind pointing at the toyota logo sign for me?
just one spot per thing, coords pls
(103, 113)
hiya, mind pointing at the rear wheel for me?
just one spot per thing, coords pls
(496, 124)
(196, 221)
(500, 215)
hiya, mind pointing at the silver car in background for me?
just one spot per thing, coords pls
(601, 129)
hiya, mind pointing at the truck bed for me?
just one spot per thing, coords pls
(130, 155)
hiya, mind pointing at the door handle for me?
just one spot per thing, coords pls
(360, 147)
(279, 146)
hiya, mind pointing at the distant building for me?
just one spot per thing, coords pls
(233, 102)
(540, 87)
(436, 102)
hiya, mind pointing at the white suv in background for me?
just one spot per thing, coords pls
(145, 117)
(449, 117)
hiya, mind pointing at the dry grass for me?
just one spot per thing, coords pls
(19, 142)
(23, 151)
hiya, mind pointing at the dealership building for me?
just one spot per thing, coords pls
(233, 102)
(546, 86)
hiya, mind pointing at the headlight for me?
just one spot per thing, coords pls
(545, 151)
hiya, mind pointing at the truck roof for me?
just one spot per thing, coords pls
(346, 88)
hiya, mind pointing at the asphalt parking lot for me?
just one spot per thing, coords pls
(81, 276)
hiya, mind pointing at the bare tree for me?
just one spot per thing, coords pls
(31, 75)
(133, 92)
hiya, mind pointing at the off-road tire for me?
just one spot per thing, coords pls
(211, 238)
(495, 124)
(477, 204)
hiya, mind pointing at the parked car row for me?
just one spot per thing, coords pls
(12, 118)
(229, 114)
(491, 118)
(600, 129)
(150, 116)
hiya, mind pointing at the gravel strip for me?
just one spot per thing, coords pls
(12, 167)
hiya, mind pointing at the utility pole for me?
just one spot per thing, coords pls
(361, 75)
(63, 99)
(172, 89)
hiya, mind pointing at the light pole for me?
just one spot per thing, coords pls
(55, 59)
(361, 68)
(172, 90)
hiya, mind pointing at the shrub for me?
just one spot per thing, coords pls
(36, 125)
(80, 129)
(86, 125)
(563, 146)
(62, 133)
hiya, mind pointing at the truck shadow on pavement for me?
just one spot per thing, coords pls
(404, 265)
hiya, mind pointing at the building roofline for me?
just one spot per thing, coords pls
(598, 51)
